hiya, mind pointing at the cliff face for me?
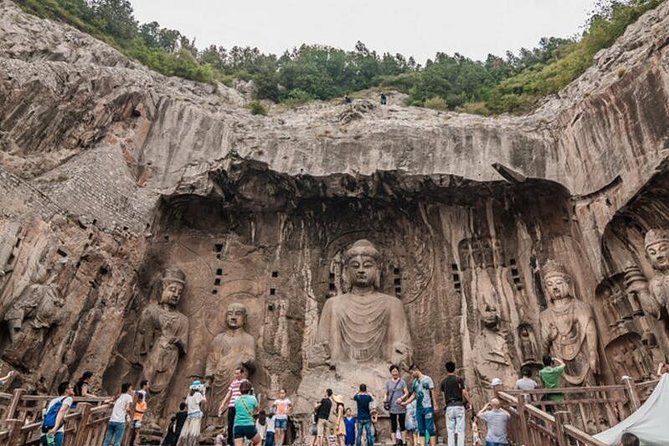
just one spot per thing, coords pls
(114, 173)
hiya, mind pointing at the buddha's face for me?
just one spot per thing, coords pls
(171, 293)
(490, 316)
(558, 286)
(363, 271)
(235, 316)
(658, 254)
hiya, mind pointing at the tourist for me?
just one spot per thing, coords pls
(422, 390)
(550, 377)
(271, 429)
(137, 416)
(6, 378)
(83, 386)
(144, 389)
(53, 424)
(411, 427)
(349, 426)
(456, 398)
(339, 428)
(176, 425)
(282, 408)
(190, 433)
(364, 418)
(662, 369)
(313, 429)
(476, 436)
(121, 411)
(229, 400)
(526, 382)
(395, 391)
(383, 98)
(245, 407)
(496, 419)
(629, 439)
(261, 426)
(323, 409)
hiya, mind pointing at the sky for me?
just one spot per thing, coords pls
(419, 28)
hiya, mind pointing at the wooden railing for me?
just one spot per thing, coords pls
(21, 419)
(570, 422)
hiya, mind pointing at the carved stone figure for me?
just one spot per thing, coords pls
(493, 356)
(657, 249)
(363, 325)
(163, 332)
(228, 350)
(528, 344)
(37, 308)
(568, 328)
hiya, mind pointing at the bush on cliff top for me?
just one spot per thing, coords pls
(514, 83)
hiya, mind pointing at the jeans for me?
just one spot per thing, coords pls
(269, 438)
(114, 430)
(367, 426)
(492, 443)
(425, 421)
(57, 439)
(455, 424)
(231, 425)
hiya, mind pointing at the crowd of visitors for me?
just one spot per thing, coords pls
(412, 409)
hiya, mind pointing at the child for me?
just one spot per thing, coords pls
(476, 438)
(411, 423)
(349, 425)
(140, 408)
(269, 433)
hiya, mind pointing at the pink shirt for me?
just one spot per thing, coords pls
(234, 391)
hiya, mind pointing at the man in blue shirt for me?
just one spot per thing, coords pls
(422, 390)
(363, 399)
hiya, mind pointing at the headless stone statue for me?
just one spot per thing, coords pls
(229, 350)
(568, 328)
(163, 333)
(363, 325)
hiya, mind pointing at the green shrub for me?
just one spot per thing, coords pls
(436, 103)
(257, 108)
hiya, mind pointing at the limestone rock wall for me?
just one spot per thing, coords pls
(110, 173)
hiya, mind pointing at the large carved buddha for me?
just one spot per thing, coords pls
(657, 249)
(568, 328)
(363, 325)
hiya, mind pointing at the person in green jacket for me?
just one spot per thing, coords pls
(550, 377)
(245, 425)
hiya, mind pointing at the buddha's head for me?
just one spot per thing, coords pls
(235, 317)
(173, 283)
(557, 282)
(361, 264)
(490, 316)
(657, 248)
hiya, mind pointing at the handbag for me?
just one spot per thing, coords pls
(387, 404)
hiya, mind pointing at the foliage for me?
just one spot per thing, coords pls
(513, 83)
(257, 108)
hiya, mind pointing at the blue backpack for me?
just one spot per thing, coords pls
(49, 420)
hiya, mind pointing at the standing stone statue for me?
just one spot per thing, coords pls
(163, 333)
(37, 308)
(568, 328)
(657, 249)
(491, 351)
(363, 325)
(228, 351)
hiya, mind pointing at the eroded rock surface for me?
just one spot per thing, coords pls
(116, 174)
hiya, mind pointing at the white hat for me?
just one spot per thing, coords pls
(496, 382)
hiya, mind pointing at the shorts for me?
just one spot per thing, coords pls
(280, 423)
(247, 432)
(394, 417)
(323, 427)
(425, 421)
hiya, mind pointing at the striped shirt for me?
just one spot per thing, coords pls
(234, 391)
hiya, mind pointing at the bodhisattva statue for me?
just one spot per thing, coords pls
(363, 325)
(568, 328)
(163, 333)
(228, 351)
(657, 249)
(36, 309)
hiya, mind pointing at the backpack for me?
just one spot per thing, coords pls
(49, 420)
